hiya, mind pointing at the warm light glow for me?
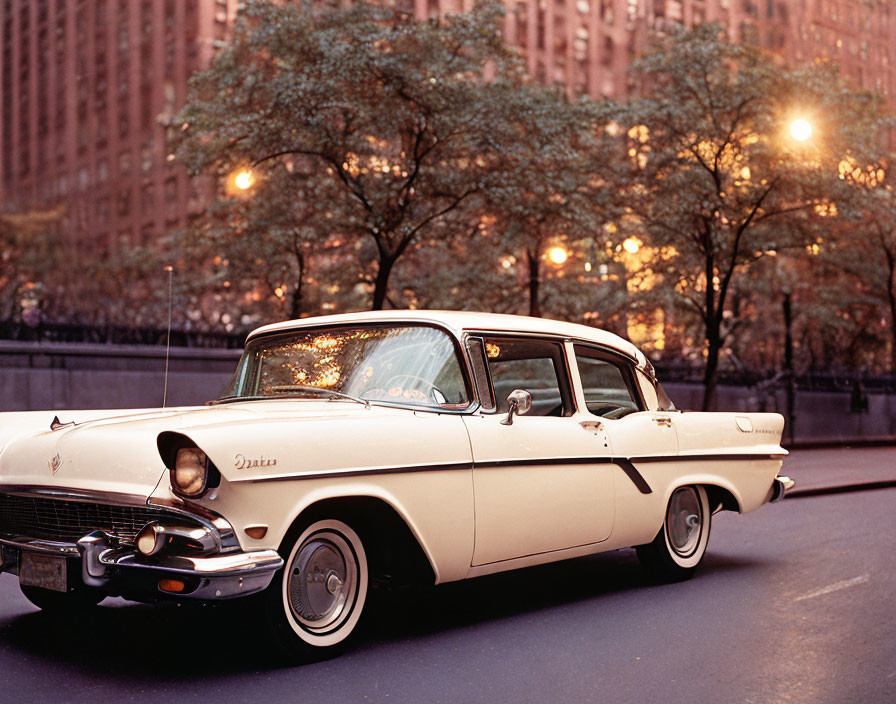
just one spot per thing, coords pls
(244, 180)
(800, 130)
(558, 255)
(632, 245)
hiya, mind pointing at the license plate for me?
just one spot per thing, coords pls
(43, 571)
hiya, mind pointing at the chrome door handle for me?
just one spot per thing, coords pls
(663, 420)
(593, 426)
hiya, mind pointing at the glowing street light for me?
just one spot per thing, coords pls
(632, 245)
(244, 179)
(801, 130)
(557, 255)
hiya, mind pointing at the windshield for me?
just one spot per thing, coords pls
(415, 365)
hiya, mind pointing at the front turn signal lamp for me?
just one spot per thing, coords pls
(193, 474)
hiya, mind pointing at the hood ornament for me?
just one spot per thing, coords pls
(57, 424)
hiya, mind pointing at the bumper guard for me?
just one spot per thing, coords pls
(781, 486)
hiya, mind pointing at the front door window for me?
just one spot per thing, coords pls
(535, 366)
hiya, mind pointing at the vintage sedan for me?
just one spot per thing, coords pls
(354, 450)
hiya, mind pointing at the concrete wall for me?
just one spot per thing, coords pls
(36, 376)
(63, 376)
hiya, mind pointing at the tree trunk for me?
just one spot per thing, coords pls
(713, 329)
(295, 303)
(710, 373)
(534, 283)
(381, 284)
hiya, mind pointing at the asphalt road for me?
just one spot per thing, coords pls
(794, 603)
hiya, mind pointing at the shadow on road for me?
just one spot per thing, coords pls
(128, 641)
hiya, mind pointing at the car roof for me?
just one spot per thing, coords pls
(460, 322)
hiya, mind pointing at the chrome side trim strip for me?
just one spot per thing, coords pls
(711, 457)
(351, 472)
(625, 463)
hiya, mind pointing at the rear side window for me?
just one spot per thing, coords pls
(536, 366)
(607, 382)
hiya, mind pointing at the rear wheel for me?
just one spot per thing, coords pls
(49, 600)
(315, 602)
(681, 542)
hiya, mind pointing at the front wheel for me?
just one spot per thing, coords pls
(678, 548)
(314, 603)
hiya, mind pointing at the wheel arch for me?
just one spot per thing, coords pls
(720, 491)
(395, 548)
(722, 499)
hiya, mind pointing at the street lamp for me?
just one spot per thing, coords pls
(244, 179)
(632, 245)
(801, 129)
(557, 255)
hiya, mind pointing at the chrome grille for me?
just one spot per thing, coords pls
(66, 521)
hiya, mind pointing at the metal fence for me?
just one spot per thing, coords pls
(17, 331)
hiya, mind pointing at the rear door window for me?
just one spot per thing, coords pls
(608, 383)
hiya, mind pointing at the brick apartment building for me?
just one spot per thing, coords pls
(85, 87)
(87, 84)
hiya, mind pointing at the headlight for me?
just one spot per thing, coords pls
(190, 474)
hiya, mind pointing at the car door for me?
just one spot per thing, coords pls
(611, 394)
(543, 482)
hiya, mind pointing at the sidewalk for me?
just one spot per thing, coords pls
(834, 470)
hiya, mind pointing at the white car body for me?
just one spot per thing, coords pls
(477, 495)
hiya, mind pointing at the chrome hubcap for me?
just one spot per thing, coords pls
(322, 580)
(684, 519)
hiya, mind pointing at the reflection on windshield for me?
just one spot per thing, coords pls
(413, 364)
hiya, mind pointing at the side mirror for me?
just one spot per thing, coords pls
(520, 402)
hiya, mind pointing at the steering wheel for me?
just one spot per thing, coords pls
(432, 389)
(612, 411)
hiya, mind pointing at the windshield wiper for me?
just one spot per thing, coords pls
(320, 390)
(292, 388)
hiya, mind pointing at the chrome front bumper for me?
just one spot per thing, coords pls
(125, 570)
(779, 488)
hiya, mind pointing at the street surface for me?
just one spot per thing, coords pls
(793, 603)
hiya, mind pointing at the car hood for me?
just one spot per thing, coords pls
(116, 451)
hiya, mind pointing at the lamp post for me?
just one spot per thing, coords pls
(801, 130)
(788, 362)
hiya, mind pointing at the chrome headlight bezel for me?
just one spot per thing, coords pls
(191, 473)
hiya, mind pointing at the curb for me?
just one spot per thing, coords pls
(833, 444)
(840, 489)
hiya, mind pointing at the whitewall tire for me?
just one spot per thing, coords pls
(680, 544)
(315, 602)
